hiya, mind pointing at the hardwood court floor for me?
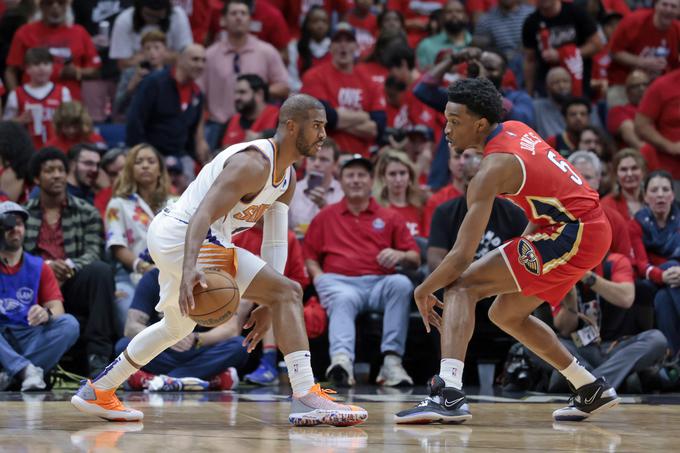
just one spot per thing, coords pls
(239, 422)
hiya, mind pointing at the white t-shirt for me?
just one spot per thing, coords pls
(12, 108)
(125, 42)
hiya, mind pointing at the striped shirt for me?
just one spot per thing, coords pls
(503, 29)
(81, 226)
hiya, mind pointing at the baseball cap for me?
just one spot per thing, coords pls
(343, 28)
(10, 207)
(174, 165)
(356, 159)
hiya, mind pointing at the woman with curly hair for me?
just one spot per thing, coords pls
(396, 188)
(72, 125)
(16, 150)
(141, 190)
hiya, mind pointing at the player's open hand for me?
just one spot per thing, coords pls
(260, 320)
(426, 303)
(190, 278)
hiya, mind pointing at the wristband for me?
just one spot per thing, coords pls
(49, 314)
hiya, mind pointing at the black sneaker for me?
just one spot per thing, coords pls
(588, 400)
(444, 405)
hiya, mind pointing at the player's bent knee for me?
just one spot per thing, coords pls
(461, 290)
(500, 314)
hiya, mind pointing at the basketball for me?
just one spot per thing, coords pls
(217, 303)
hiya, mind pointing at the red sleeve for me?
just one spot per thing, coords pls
(641, 259)
(281, 36)
(17, 49)
(311, 246)
(620, 234)
(622, 269)
(619, 6)
(621, 38)
(295, 264)
(312, 85)
(91, 56)
(616, 116)
(49, 287)
(402, 237)
(652, 100)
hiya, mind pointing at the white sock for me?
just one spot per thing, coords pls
(451, 371)
(114, 374)
(300, 373)
(577, 375)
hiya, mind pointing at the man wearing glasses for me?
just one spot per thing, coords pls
(74, 53)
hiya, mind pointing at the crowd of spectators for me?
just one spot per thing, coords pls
(111, 108)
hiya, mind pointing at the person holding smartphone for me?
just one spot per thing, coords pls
(317, 189)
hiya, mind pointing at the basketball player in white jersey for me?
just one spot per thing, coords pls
(230, 194)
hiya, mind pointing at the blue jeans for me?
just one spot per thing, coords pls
(345, 297)
(202, 363)
(125, 291)
(42, 345)
(667, 311)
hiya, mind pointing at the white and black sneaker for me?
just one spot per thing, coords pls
(588, 400)
(444, 405)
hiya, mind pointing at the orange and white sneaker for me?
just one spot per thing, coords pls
(318, 407)
(103, 403)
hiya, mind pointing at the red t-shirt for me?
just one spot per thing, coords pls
(345, 244)
(618, 204)
(444, 194)
(637, 34)
(268, 24)
(375, 72)
(617, 115)
(646, 264)
(621, 269)
(236, 134)
(413, 216)
(64, 144)
(419, 10)
(366, 29)
(64, 42)
(48, 288)
(352, 91)
(295, 269)
(618, 6)
(296, 10)
(661, 103)
(204, 14)
(620, 232)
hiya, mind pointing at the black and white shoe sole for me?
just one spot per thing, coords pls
(578, 417)
(425, 418)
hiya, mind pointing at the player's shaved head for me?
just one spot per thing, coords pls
(297, 108)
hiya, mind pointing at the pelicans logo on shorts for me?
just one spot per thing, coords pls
(527, 257)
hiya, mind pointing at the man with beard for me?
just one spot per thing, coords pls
(231, 193)
(35, 330)
(548, 111)
(67, 233)
(454, 36)
(576, 112)
(83, 169)
(167, 110)
(255, 117)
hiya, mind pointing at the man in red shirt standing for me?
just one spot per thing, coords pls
(75, 57)
(658, 123)
(254, 116)
(354, 107)
(645, 39)
(351, 250)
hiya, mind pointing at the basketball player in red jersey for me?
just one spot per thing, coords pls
(567, 235)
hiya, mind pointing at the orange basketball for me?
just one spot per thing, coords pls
(217, 303)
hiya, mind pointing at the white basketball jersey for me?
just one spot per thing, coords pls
(244, 215)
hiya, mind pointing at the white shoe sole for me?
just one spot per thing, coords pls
(130, 415)
(425, 418)
(585, 415)
(328, 417)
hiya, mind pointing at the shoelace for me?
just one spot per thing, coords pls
(324, 393)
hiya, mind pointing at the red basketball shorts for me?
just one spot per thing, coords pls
(549, 262)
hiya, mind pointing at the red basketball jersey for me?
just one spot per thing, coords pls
(46, 106)
(552, 191)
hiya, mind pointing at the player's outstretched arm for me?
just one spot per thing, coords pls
(244, 174)
(498, 174)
